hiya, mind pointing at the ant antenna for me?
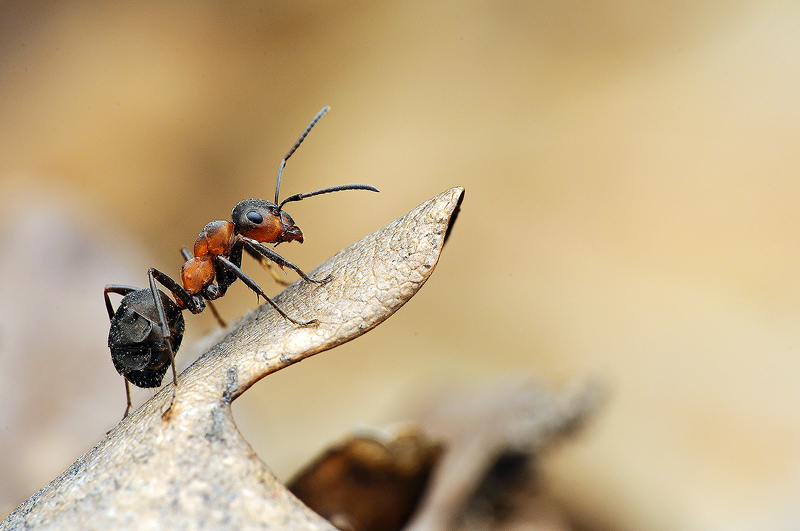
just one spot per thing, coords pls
(294, 148)
(300, 197)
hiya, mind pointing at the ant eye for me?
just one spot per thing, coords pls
(255, 217)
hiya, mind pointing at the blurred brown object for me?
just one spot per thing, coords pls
(370, 482)
(485, 478)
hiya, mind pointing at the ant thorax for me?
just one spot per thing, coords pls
(216, 239)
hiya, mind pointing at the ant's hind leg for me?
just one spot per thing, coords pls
(127, 396)
(123, 290)
(119, 289)
(165, 331)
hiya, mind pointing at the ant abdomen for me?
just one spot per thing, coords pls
(139, 350)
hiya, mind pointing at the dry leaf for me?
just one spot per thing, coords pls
(194, 470)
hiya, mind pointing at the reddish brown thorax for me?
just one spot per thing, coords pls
(215, 239)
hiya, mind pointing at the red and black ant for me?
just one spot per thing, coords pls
(147, 327)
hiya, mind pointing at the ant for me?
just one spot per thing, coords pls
(147, 327)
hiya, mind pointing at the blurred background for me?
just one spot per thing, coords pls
(631, 213)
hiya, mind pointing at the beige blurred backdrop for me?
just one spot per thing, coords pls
(632, 213)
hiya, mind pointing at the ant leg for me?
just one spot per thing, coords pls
(266, 264)
(177, 291)
(255, 287)
(128, 396)
(187, 255)
(281, 261)
(119, 289)
(216, 314)
(294, 148)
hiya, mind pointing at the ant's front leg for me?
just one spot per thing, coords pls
(250, 283)
(268, 253)
(264, 262)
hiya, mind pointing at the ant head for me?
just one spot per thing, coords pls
(267, 222)
(264, 222)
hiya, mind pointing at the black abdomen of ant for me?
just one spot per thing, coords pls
(139, 350)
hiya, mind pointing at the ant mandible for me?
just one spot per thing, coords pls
(147, 327)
